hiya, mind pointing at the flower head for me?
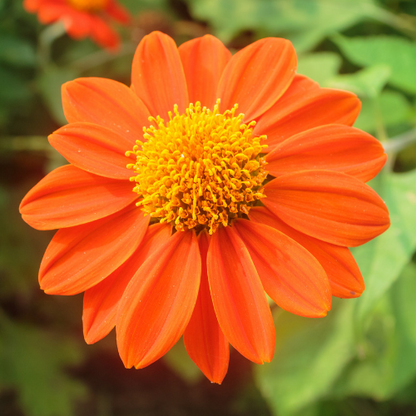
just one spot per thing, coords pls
(82, 18)
(201, 170)
(211, 181)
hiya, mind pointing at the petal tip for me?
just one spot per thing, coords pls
(216, 378)
(49, 290)
(89, 339)
(356, 294)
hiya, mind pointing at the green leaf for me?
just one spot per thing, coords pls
(15, 243)
(77, 50)
(389, 361)
(136, 7)
(398, 53)
(33, 363)
(404, 309)
(49, 84)
(391, 108)
(382, 260)
(366, 83)
(310, 355)
(180, 362)
(16, 51)
(13, 88)
(320, 66)
(305, 22)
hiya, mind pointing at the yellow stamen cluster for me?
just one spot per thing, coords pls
(200, 169)
(89, 5)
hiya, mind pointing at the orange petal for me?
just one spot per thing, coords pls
(78, 25)
(203, 60)
(159, 301)
(80, 257)
(343, 273)
(330, 206)
(290, 275)
(93, 148)
(69, 196)
(157, 75)
(257, 76)
(332, 147)
(118, 12)
(238, 297)
(31, 6)
(107, 103)
(204, 340)
(101, 301)
(53, 12)
(103, 34)
(304, 111)
(298, 88)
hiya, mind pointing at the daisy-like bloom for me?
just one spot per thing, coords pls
(82, 18)
(211, 181)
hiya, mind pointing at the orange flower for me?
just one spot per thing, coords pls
(82, 18)
(216, 207)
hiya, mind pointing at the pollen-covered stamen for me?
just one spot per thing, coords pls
(200, 169)
(89, 5)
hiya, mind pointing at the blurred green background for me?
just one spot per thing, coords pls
(358, 361)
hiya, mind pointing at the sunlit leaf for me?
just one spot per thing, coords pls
(305, 22)
(389, 360)
(390, 108)
(310, 355)
(366, 83)
(398, 53)
(320, 66)
(382, 260)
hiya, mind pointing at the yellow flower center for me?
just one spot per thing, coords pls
(200, 169)
(88, 5)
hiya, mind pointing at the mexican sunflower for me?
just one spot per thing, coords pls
(213, 180)
(82, 18)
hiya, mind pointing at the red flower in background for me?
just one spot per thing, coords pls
(215, 208)
(82, 18)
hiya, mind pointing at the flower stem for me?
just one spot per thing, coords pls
(26, 143)
(380, 128)
(398, 143)
(46, 39)
(101, 57)
(403, 23)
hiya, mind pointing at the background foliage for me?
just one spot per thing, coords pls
(360, 360)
